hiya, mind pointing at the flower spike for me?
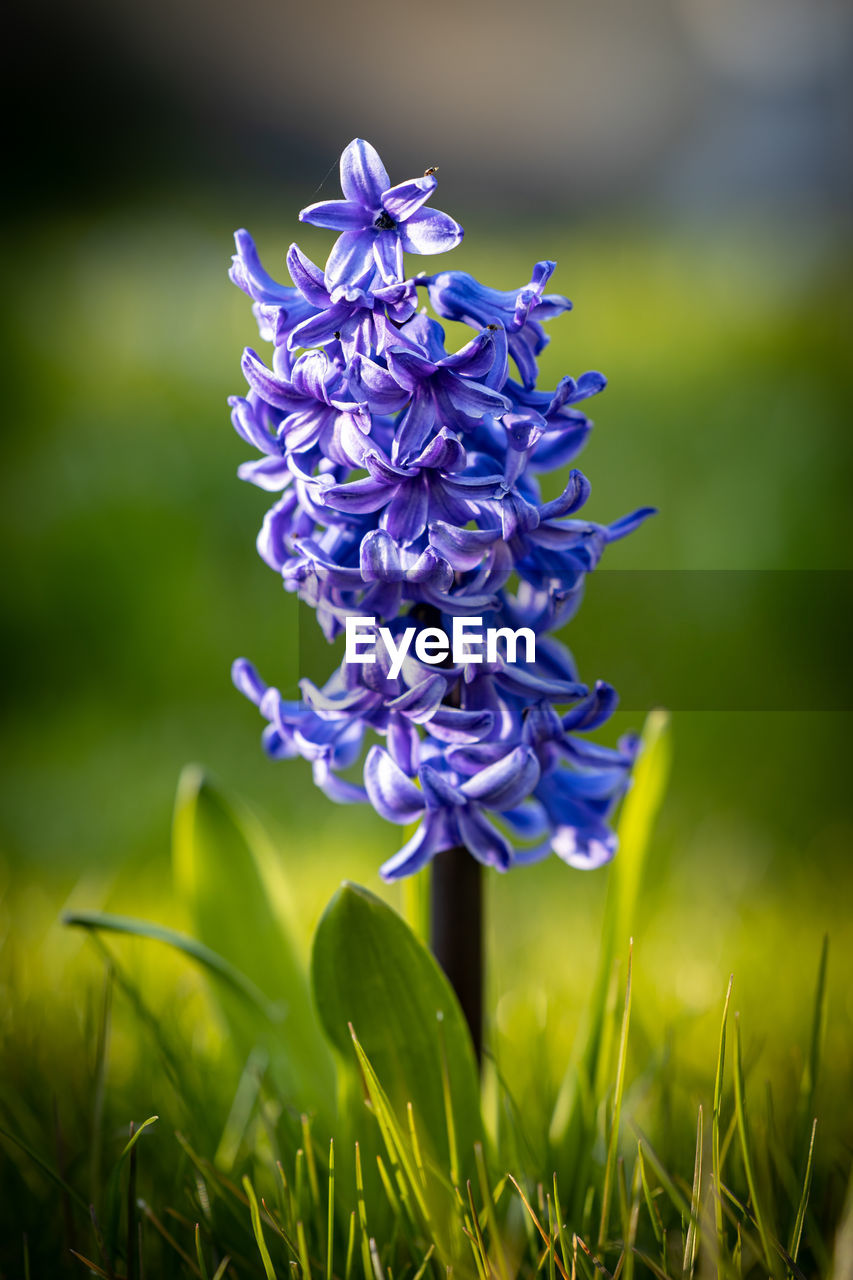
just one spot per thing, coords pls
(407, 502)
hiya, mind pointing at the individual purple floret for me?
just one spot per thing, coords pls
(405, 478)
(378, 222)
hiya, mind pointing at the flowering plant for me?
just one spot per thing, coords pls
(407, 491)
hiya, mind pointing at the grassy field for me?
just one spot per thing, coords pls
(132, 583)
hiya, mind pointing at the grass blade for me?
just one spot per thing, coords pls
(330, 1223)
(808, 1085)
(651, 1207)
(549, 1243)
(199, 1253)
(303, 1250)
(258, 1230)
(87, 1262)
(422, 1268)
(362, 1216)
(561, 1229)
(491, 1212)
(100, 1078)
(401, 1159)
(45, 1167)
(691, 1243)
(168, 1237)
(215, 964)
(448, 1102)
(679, 1200)
(796, 1234)
(350, 1247)
(639, 810)
(135, 1136)
(716, 1115)
(746, 1149)
(613, 1144)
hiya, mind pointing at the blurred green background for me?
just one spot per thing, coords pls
(711, 283)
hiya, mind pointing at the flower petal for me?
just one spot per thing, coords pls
(307, 277)
(251, 426)
(379, 558)
(272, 474)
(388, 256)
(247, 680)
(451, 724)
(434, 834)
(404, 199)
(414, 428)
(320, 328)
(594, 709)
(584, 850)
(272, 537)
(507, 782)
(281, 395)
(475, 358)
(570, 500)
(404, 744)
(430, 231)
(336, 215)
(488, 845)
(588, 384)
(357, 496)
(463, 548)
(250, 276)
(473, 398)
(363, 175)
(335, 788)
(627, 524)
(421, 701)
(351, 260)
(391, 793)
(406, 515)
(439, 792)
(376, 385)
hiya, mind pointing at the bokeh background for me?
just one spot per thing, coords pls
(687, 164)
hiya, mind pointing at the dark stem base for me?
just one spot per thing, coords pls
(456, 932)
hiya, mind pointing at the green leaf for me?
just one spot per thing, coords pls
(216, 965)
(230, 880)
(369, 970)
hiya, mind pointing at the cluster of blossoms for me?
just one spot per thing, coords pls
(407, 493)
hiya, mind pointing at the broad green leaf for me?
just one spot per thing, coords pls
(369, 970)
(227, 875)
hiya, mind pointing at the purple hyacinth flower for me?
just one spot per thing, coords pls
(278, 308)
(405, 490)
(444, 388)
(378, 222)
(452, 807)
(458, 296)
(363, 321)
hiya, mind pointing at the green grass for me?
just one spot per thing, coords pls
(402, 1169)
